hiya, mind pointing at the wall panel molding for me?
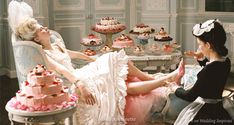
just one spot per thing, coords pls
(62, 16)
(155, 5)
(133, 13)
(35, 5)
(118, 15)
(157, 16)
(188, 41)
(109, 5)
(60, 26)
(188, 6)
(1, 45)
(65, 5)
(229, 28)
(72, 33)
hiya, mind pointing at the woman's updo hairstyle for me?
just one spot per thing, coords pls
(213, 33)
(27, 29)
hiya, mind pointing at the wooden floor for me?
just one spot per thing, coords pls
(8, 88)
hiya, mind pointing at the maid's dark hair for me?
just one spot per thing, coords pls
(216, 38)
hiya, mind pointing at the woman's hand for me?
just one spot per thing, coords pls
(197, 55)
(91, 59)
(86, 94)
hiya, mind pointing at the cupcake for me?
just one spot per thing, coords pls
(138, 51)
(106, 49)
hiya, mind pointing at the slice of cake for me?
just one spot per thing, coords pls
(168, 48)
(91, 40)
(123, 41)
(138, 51)
(106, 49)
(143, 36)
(109, 25)
(154, 47)
(142, 28)
(162, 36)
(90, 52)
(43, 91)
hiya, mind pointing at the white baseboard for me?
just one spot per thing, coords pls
(2, 71)
(232, 64)
(8, 72)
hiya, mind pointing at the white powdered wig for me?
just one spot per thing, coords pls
(27, 29)
(18, 12)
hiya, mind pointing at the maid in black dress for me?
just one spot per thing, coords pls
(206, 94)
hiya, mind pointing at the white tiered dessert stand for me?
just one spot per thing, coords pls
(142, 43)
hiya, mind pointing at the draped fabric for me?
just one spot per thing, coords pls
(189, 112)
(105, 78)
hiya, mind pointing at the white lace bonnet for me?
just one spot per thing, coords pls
(200, 28)
(18, 11)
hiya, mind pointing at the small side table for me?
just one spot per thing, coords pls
(30, 118)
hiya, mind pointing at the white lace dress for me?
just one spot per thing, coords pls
(105, 78)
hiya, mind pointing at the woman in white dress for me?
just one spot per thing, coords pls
(100, 84)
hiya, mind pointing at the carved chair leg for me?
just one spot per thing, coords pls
(10, 116)
(70, 120)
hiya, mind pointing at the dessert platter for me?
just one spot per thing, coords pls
(154, 47)
(89, 52)
(106, 49)
(138, 51)
(143, 38)
(162, 36)
(165, 48)
(91, 40)
(91, 44)
(108, 26)
(169, 48)
(141, 28)
(142, 34)
(162, 44)
(42, 92)
(123, 41)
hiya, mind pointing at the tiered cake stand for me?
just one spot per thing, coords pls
(108, 34)
(162, 44)
(93, 47)
(142, 42)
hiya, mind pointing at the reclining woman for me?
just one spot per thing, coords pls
(101, 84)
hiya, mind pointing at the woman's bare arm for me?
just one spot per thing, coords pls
(73, 54)
(86, 94)
(60, 69)
(79, 55)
